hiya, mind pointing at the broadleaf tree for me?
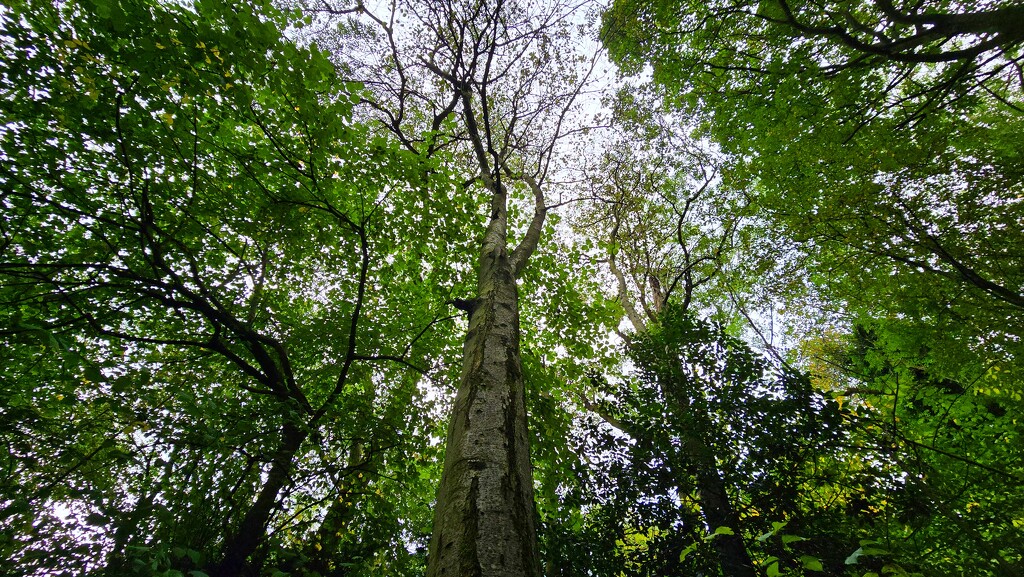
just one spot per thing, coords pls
(493, 90)
(701, 410)
(203, 263)
(874, 137)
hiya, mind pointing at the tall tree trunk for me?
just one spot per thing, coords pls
(240, 546)
(715, 506)
(484, 520)
(718, 511)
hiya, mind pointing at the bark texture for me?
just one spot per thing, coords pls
(484, 523)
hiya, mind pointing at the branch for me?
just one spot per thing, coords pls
(1001, 23)
(529, 243)
(623, 293)
(350, 353)
(605, 416)
(392, 358)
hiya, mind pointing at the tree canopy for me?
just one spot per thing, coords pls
(335, 288)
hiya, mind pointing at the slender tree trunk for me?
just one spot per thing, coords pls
(715, 506)
(484, 520)
(240, 546)
(324, 550)
(718, 511)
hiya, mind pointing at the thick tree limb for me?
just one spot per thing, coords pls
(529, 243)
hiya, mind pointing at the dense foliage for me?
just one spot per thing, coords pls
(203, 255)
(766, 314)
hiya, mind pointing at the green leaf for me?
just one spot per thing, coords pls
(686, 552)
(96, 520)
(811, 563)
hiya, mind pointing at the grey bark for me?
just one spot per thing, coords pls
(484, 520)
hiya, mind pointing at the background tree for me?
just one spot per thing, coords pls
(853, 130)
(665, 242)
(728, 435)
(666, 227)
(201, 269)
(891, 178)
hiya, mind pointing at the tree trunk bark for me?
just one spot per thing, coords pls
(240, 546)
(718, 512)
(484, 520)
(715, 506)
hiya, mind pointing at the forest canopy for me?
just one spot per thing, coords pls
(511, 288)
